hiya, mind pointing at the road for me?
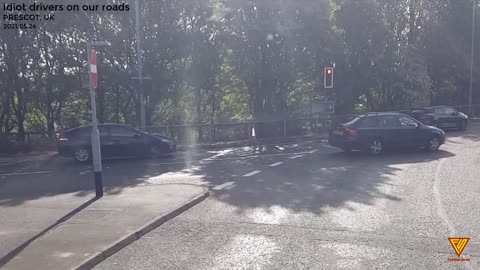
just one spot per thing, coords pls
(293, 206)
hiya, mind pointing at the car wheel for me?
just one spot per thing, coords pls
(82, 155)
(375, 147)
(433, 144)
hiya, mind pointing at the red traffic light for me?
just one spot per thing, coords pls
(328, 77)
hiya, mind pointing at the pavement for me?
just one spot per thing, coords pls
(291, 205)
(76, 232)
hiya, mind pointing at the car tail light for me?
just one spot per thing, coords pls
(351, 131)
(62, 137)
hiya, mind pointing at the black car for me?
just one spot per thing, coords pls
(443, 117)
(115, 141)
(375, 132)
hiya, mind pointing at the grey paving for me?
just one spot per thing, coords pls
(67, 231)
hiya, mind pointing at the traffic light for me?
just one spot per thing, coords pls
(328, 78)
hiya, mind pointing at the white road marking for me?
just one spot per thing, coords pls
(275, 164)
(326, 169)
(440, 209)
(84, 172)
(169, 163)
(251, 173)
(297, 155)
(25, 173)
(329, 146)
(224, 185)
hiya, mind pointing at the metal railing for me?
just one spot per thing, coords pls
(225, 132)
(240, 131)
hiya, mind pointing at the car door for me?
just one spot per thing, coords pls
(442, 117)
(451, 117)
(126, 141)
(367, 128)
(106, 143)
(388, 127)
(410, 132)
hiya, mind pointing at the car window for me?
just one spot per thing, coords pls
(449, 110)
(442, 110)
(369, 122)
(353, 121)
(389, 121)
(103, 131)
(407, 122)
(83, 132)
(120, 131)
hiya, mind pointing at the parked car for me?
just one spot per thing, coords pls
(443, 117)
(375, 132)
(115, 141)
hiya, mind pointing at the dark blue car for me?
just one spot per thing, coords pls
(115, 140)
(374, 132)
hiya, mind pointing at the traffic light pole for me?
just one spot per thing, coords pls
(327, 80)
(96, 153)
(470, 94)
(141, 97)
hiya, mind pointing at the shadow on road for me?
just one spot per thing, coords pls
(70, 177)
(471, 134)
(66, 176)
(309, 183)
(325, 180)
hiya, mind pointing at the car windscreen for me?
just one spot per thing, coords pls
(78, 132)
(353, 122)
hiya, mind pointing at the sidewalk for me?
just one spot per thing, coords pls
(71, 232)
(24, 157)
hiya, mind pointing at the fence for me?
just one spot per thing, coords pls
(27, 142)
(218, 132)
(222, 132)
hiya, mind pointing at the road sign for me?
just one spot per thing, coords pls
(93, 68)
(96, 152)
(328, 77)
(323, 107)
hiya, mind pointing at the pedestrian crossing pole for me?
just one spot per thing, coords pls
(96, 153)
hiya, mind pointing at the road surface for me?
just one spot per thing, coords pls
(293, 206)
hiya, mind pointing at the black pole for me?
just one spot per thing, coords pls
(98, 184)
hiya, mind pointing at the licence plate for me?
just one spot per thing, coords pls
(338, 132)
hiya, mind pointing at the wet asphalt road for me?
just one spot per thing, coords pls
(295, 206)
(326, 210)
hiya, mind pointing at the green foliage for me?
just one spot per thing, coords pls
(224, 60)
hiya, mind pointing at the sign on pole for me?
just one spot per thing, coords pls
(96, 153)
(323, 107)
(93, 68)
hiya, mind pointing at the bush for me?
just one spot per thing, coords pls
(13, 147)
